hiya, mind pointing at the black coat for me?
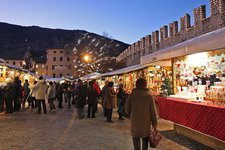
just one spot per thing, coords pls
(92, 95)
(18, 88)
(121, 95)
(9, 91)
(81, 93)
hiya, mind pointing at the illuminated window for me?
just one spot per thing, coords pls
(36, 66)
(42, 66)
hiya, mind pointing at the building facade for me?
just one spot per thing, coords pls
(59, 63)
(15, 62)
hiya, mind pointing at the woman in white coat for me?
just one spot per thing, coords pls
(41, 91)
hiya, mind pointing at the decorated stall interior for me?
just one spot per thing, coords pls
(201, 76)
(11, 71)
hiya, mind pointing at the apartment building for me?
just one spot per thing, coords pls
(59, 63)
(40, 66)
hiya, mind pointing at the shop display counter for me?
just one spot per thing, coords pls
(195, 117)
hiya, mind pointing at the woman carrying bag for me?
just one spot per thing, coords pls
(140, 106)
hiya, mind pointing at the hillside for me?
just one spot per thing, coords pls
(18, 39)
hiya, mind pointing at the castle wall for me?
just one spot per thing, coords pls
(171, 35)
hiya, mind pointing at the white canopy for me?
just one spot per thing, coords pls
(91, 76)
(125, 70)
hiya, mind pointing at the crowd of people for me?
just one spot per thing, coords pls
(15, 95)
(139, 105)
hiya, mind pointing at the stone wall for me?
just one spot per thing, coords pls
(171, 35)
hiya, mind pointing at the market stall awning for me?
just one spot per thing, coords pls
(210, 41)
(125, 70)
(54, 79)
(17, 68)
(91, 76)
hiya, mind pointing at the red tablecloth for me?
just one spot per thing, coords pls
(203, 118)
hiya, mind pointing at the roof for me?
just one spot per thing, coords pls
(125, 70)
(94, 75)
(17, 68)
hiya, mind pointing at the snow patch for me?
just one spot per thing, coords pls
(93, 40)
(97, 43)
(79, 40)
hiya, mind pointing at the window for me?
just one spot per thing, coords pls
(53, 67)
(36, 66)
(21, 63)
(14, 63)
(42, 66)
(61, 51)
(68, 59)
(69, 67)
(53, 75)
(54, 51)
(54, 58)
(61, 58)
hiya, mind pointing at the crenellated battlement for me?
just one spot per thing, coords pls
(170, 35)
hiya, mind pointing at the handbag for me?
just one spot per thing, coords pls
(154, 138)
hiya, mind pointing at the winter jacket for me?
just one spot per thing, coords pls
(97, 88)
(18, 88)
(26, 88)
(141, 108)
(81, 93)
(51, 92)
(109, 98)
(121, 95)
(92, 95)
(32, 91)
(9, 91)
(41, 90)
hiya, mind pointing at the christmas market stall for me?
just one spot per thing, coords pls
(127, 76)
(197, 103)
(11, 71)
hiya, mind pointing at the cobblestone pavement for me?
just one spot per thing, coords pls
(62, 130)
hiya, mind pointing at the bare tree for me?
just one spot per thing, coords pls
(28, 62)
(105, 34)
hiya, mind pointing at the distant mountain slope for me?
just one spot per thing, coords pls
(17, 40)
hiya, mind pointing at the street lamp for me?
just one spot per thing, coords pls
(87, 58)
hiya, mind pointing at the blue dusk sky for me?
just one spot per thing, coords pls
(124, 20)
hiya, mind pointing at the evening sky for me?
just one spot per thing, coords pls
(124, 20)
